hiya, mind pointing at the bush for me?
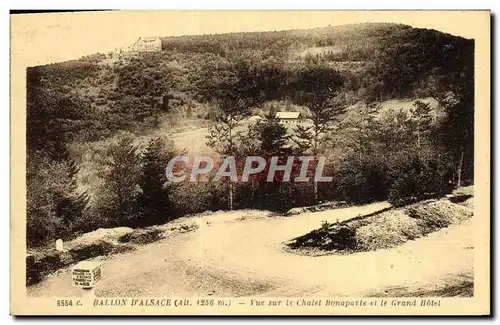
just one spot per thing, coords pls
(417, 179)
(364, 181)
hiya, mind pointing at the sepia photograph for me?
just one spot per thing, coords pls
(250, 163)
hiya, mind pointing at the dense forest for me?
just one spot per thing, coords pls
(104, 106)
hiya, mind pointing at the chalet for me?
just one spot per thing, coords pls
(289, 117)
(145, 44)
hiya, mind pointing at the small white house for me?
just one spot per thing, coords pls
(289, 117)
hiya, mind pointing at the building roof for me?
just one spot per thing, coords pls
(290, 115)
(150, 39)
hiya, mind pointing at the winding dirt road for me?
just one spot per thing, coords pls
(240, 254)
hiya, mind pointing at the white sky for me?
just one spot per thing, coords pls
(48, 38)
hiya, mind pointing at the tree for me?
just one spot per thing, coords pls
(222, 137)
(249, 143)
(394, 129)
(72, 204)
(53, 119)
(324, 111)
(457, 130)
(422, 120)
(44, 178)
(121, 181)
(458, 133)
(273, 136)
(266, 138)
(55, 207)
(358, 130)
(154, 201)
(416, 175)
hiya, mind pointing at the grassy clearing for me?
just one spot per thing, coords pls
(383, 229)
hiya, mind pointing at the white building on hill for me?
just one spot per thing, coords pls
(289, 117)
(145, 44)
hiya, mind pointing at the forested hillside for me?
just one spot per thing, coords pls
(99, 108)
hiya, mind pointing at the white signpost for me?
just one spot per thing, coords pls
(86, 274)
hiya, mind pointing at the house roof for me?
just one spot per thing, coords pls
(150, 39)
(292, 115)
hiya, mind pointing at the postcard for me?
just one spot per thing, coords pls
(250, 163)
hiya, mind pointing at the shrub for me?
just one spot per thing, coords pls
(365, 181)
(417, 179)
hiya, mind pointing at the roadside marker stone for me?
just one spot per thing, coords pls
(86, 274)
(59, 245)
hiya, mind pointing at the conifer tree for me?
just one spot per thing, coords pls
(155, 204)
(222, 137)
(457, 130)
(123, 171)
(324, 111)
(273, 136)
(421, 112)
(71, 204)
